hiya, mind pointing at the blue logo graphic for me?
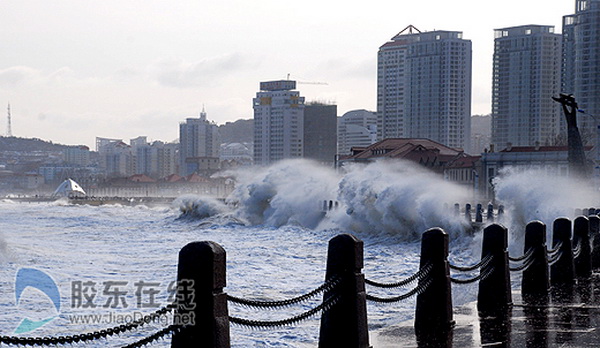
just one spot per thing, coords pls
(31, 277)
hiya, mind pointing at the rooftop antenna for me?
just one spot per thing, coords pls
(9, 127)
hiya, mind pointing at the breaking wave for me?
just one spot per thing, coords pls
(381, 197)
(530, 195)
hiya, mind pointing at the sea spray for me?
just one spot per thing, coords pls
(532, 194)
(200, 207)
(398, 198)
(288, 192)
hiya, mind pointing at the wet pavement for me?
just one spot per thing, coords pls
(569, 319)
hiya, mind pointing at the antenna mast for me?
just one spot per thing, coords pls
(9, 127)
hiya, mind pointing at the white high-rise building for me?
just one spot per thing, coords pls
(581, 65)
(199, 146)
(356, 128)
(526, 76)
(424, 87)
(278, 122)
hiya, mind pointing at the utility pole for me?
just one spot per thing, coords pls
(9, 126)
(577, 161)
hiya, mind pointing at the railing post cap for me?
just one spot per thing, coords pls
(347, 248)
(204, 257)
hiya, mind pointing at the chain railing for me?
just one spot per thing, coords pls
(423, 275)
(527, 260)
(96, 335)
(323, 307)
(327, 286)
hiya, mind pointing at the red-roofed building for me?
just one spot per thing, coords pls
(454, 164)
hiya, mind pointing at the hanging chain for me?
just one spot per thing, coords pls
(483, 263)
(324, 306)
(91, 336)
(420, 275)
(416, 291)
(327, 286)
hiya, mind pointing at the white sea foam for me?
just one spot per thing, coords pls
(383, 197)
(530, 195)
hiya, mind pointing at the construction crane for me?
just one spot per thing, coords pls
(308, 83)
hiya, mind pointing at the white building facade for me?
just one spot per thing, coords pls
(526, 75)
(199, 146)
(278, 122)
(424, 87)
(356, 128)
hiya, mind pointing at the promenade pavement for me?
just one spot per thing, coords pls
(571, 320)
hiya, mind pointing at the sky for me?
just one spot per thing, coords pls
(74, 70)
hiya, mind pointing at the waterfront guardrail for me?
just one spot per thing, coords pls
(204, 319)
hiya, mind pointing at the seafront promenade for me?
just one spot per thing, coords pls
(557, 324)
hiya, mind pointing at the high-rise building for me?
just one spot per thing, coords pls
(356, 128)
(526, 75)
(581, 64)
(424, 87)
(320, 128)
(278, 122)
(199, 145)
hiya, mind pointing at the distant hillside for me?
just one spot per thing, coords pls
(240, 131)
(27, 145)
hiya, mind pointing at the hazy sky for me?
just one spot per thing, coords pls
(76, 69)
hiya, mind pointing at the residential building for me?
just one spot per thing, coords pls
(116, 158)
(156, 160)
(77, 155)
(526, 75)
(356, 128)
(581, 65)
(278, 122)
(320, 132)
(424, 87)
(199, 146)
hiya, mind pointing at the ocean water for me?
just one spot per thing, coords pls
(275, 236)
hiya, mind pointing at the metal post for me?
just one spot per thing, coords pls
(536, 279)
(468, 216)
(494, 290)
(201, 302)
(345, 324)
(581, 240)
(434, 305)
(595, 236)
(479, 213)
(490, 213)
(562, 273)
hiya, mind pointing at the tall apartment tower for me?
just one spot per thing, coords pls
(581, 64)
(278, 122)
(199, 146)
(320, 128)
(526, 74)
(424, 87)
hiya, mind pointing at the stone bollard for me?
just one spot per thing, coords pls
(434, 305)
(345, 323)
(536, 280)
(581, 237)
(468, 216)
(494, 295)
(201, 302)
(490, 213)
(500, 213)
(456, 209)
(562, 272)
(595, 237)
(479, 213)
